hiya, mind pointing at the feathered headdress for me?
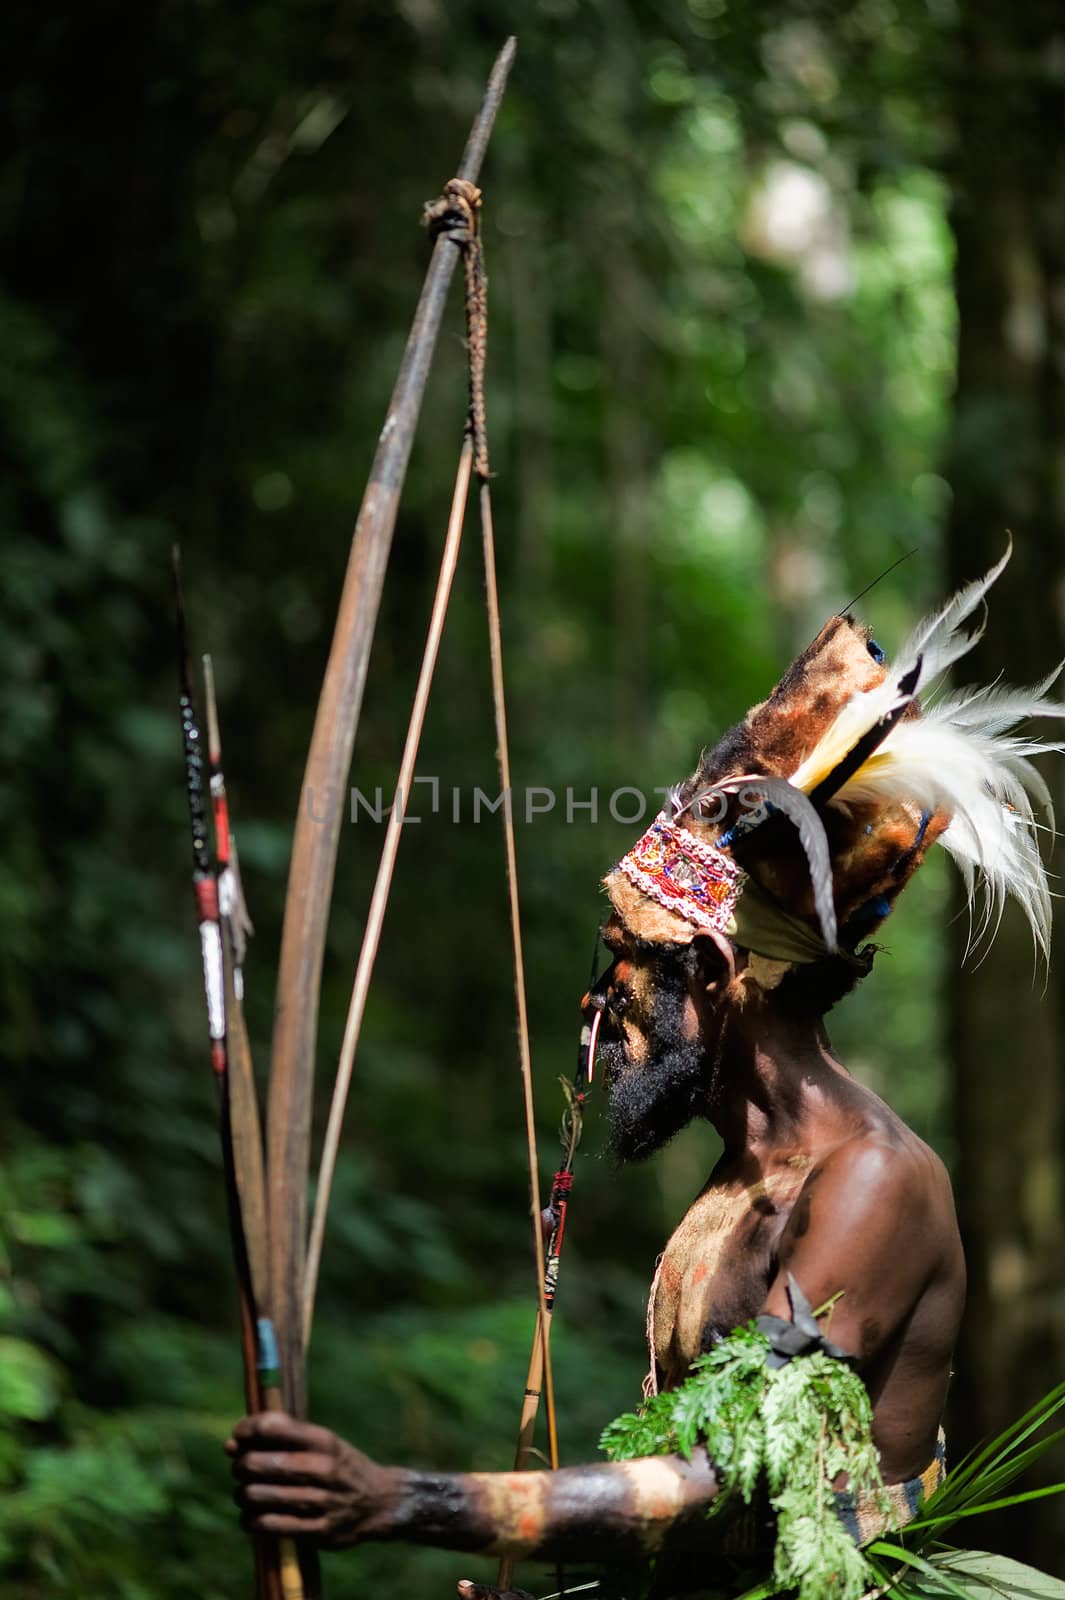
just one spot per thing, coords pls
(800, 828)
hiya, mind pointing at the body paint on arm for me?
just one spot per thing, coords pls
(626, 1509)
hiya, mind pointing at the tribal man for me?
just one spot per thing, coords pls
(738, 919)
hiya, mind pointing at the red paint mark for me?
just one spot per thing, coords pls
(221, 830)
(206, 890)
(530, 1526)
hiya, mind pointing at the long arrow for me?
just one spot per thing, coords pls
(224, 926)
(554, 1219)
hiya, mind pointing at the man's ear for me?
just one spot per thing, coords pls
(714, 960)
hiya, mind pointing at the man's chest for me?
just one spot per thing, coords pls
(718, 1266)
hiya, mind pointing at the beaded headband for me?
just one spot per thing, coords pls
(693, 879)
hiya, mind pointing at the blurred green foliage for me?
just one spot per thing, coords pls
(721, 354)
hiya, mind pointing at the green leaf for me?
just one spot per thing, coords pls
(988, 1505)
(976, 1484)
(982, 1575)
(910, 1558)
(988, 1487)
(45, 1229)
(29, 1381)
(995, 1451)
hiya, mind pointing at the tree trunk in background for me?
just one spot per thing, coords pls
(1008, 471)
(628, 484)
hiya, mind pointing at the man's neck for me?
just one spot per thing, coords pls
(779, 1085)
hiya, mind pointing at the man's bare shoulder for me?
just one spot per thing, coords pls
(882, 1197)
(875, 1223)
(883, 1162)
(876, 1137)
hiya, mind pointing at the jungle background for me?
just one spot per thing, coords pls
(777, 295)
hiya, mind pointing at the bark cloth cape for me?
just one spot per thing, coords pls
(800, 828)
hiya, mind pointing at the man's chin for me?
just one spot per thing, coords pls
(632, 1141)
(647, 1110)
(629, 1144)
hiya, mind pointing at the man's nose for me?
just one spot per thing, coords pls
(593, 1000)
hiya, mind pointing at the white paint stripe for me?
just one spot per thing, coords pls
(211, 946)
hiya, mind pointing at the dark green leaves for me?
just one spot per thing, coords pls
(795, 1428)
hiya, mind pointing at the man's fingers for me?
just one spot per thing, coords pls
(292, 1527)
(284, 1466)
(291, 1500)
(276, 1430)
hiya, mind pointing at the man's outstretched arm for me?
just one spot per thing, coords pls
(297, 1479)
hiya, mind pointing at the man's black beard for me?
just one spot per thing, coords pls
(652, 1101)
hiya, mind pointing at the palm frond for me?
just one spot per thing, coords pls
(993, 1465)
(918, 1563)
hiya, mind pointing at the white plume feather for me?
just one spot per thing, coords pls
(938, 640)
(936, 643)
(965, 755)
(982, 775)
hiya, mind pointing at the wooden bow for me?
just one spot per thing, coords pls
(268, 1213)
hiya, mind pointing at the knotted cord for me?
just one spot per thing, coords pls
(458, 215)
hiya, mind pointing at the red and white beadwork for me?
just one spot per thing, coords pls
(694, 880)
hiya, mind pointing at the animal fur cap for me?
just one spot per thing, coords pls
(800, 828)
